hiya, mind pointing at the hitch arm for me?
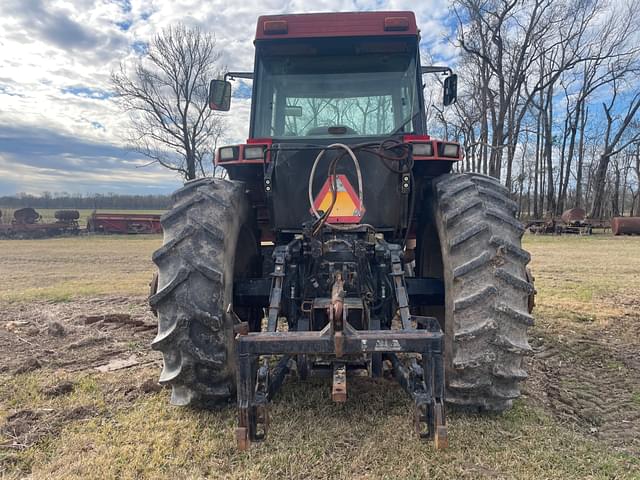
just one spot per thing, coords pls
(275, 296)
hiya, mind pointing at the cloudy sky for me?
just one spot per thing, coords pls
(60, 129)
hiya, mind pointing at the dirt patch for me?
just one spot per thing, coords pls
(70, 343)
(55, 329)
(591, 378)
(29, 365)
(77, 336)
(61, 388)
(116, 319)
(82, 354)
(26, 427)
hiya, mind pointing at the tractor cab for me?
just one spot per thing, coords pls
(322, 79)
(335, 76)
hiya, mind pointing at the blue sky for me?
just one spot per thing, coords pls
(60, 129)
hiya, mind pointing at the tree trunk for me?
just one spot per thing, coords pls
(536, 212)
(562, 200)
(583, 124)
(599, 184)
(562, 159)
(615, 195)
(548, 151)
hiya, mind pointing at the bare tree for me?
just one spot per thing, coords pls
(614, 142)
(635, 196)
(509, 41)
(165, 94)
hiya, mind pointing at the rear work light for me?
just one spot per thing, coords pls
(228, 153)
(396, 24)
(275, 27)
(421, 146)
(451, 150)
(423, 149)
(253, 153)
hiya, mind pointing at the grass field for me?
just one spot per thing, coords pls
(75, 304)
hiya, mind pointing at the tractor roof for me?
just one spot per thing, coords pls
(347, 24)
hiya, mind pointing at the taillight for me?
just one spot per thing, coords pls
(423, 148)
(252, 152)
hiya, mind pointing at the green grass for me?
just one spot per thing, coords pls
(586, 279)
(582, 282)
(310, 438)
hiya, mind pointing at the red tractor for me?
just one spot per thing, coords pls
(341, 240)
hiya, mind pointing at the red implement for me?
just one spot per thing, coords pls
(124, 223)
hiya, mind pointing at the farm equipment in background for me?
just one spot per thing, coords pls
(124, 223)
(26, 224)
(572, 221)
(547, 226)
(342, 224)
(25, 216)
(575, 221)
(625, 225)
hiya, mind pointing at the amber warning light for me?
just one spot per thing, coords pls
(275, 27)
(396, 24)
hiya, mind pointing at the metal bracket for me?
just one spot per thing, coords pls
(405, 183)
(397, 272)
(339, 390)
(275, 297)
(268, 178)
(423, 380)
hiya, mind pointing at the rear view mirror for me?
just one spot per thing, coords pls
(220, 95)
(450, 89)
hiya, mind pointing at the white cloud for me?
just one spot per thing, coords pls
(57, 56)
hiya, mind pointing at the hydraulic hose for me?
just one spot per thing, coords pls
(313, 172)
(385, 151)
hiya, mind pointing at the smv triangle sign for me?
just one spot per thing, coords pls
(347, 208)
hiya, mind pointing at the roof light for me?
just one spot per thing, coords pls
(396, 24)
(275, 27)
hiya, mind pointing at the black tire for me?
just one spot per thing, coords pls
(207, 241)
(486, 288)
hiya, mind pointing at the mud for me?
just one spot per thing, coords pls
(26, 427)
(61, 388)
(74, 336)
(69, 341)
(591, 379)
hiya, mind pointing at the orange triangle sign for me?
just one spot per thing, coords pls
(347, 208)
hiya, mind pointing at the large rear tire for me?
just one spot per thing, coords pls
(207, 241)
(473, 242)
